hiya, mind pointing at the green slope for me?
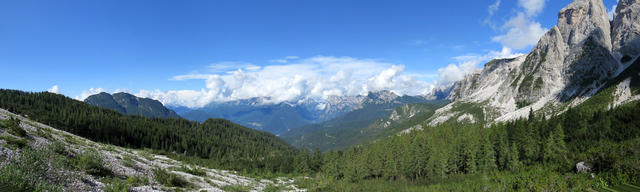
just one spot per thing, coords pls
(220, 141)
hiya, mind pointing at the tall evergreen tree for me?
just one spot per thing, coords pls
(513, 162)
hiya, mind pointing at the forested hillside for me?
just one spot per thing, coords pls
(532, 154)
(359, 126)
(128, 104)
(219, 142)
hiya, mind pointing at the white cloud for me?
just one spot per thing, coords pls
(54, 89)
(231, 65)
(466, 64)
(316, 77)
(285, 59)
(532, 7)
(87, 93)
(492, 9)
(612, 11)
(521, 32)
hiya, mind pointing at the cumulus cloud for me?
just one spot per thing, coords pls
(54, 89)
(521, 30)
(316, 77)
(87, 93)
(532, 7)
(466, 64)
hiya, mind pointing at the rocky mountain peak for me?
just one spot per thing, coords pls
(573, 59)
(580, 19)
(381, 96)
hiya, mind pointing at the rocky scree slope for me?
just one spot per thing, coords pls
(101, 167)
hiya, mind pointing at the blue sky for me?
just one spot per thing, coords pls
(182, 51)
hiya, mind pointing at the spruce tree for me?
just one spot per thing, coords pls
(513, 162)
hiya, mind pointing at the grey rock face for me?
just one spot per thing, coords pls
(580, 19)
(626, 28)
(574, 58)
(585, 29)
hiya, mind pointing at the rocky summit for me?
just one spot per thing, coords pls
(572, 61)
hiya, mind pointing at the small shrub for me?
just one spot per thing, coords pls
(14, 127)
(236, 188)
(136, 181)
(195, 171)
(274, 188)
(59, 148)
(70, 139)
(14, 142)
(43, 134)
(127, 161)
(117, 185)
(169, 179)
(91, 163)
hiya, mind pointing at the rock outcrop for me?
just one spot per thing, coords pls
(625, 32)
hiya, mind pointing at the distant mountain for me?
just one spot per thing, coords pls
(582, 55)
(274, 118)
(279, 118)
(128, 104)
(364, 124)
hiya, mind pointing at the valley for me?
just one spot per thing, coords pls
(563, 115)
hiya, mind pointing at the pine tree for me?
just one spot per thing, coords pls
(486, 155)
(301, 162)
(513, 162)
(555, 149)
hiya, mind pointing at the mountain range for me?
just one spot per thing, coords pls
(282, 117)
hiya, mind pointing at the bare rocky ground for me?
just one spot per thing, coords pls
(129, 163)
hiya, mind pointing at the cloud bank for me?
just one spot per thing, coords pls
(291, 80)
(308, 78)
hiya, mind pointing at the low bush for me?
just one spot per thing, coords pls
(194, 171)
(14, 142)
(14, 127)
(91, 163)
(169, 179)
